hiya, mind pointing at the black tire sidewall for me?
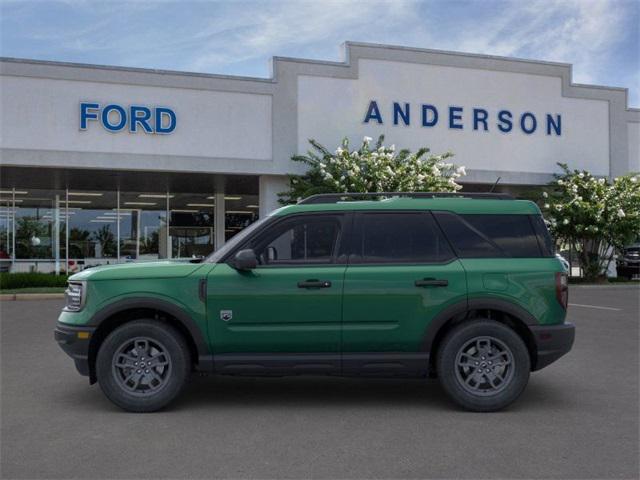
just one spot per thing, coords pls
(176, 349)
(447, 358)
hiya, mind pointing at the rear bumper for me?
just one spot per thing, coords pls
(552, 342)
(75, 343)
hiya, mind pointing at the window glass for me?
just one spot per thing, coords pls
(191, 229)
(513, 234)
(93, 236)
(143, 225)
(240, 212)
(401, 238)
(544, 238)
(487, 236)
(299, 240)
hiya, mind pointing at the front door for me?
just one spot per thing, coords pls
(401, 274)
(286, 313)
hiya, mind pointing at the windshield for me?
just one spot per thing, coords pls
(216, 256)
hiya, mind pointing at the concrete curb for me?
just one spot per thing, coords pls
(30, 296)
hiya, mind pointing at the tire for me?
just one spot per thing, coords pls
(143, 365)
(492, 348)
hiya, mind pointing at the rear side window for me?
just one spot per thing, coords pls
(544, 238)
(486, 236)
(400, 238)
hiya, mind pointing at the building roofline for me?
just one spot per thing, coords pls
(346, 62)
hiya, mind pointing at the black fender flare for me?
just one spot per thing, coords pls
(462, 309)
(175, 311)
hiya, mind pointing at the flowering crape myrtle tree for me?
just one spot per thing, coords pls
(371, 169)
(594, 216)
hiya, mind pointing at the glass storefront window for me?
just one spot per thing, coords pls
(191, 225)
(92, 228)
(39, 224)
(148, 215)
(69, 230)
(240, 212)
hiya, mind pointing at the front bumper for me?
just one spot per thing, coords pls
(75, 343)
(552, 342)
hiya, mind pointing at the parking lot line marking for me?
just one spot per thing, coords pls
(594, 306)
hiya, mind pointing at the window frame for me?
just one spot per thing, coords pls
(356, 259)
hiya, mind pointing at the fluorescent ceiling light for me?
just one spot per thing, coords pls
(10, 200)
(253, 206)
(239, 211)
(154, 195)
(85, 194)
(140, 203)
(75, 201)
(113, 214)
(184, 211)
(201, 204)
(17, 192)
(102, 221)
(229, 197)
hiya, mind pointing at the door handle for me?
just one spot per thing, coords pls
(431, 282)
(314, 284)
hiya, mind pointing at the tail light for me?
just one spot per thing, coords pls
(562, 289)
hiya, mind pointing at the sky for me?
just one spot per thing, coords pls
(601, 38)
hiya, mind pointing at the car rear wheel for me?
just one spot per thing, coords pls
(143, 365)
(483, 365)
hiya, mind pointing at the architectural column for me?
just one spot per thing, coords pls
(270, 186)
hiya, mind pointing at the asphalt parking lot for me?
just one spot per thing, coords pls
(578, 418)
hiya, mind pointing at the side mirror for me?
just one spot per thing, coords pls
(245, 260)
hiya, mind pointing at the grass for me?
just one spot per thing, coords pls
(33, 290)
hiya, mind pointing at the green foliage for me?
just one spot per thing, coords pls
(594, 216)
(29, 280)
(371, 169)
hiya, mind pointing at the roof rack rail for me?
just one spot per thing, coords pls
(347, 196)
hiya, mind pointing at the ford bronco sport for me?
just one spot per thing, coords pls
(462, 287)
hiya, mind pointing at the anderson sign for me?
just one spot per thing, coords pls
(461, 118)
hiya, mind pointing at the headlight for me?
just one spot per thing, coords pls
(74, 296)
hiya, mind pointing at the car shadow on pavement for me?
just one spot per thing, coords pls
(314, 392)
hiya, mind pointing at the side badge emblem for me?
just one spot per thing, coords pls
(226, 315)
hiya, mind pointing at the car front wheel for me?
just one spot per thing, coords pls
(483, 365)
(143, 365)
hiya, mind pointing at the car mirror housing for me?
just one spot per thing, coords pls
(245, 260)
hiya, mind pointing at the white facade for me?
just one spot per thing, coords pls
(501, 117)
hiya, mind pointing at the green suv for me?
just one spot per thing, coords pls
(465, 288)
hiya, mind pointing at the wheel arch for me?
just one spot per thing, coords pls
(123, 311)
(502, 311)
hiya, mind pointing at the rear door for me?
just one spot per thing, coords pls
(401, 274)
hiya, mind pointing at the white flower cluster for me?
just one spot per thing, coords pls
(380, 168)
(592, 213)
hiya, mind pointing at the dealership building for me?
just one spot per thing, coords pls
(106, 164)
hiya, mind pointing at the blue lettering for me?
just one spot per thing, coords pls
(373, 112)
(523, 123)
(505, 124)
(556, 125)
(139, 115)
(86, 114)
(480, 116)
(105, 118)
(399, 112)
(162, 112)
(455, 113)
(425, 115)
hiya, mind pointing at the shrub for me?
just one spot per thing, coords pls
(371, 168)
(29, 280)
